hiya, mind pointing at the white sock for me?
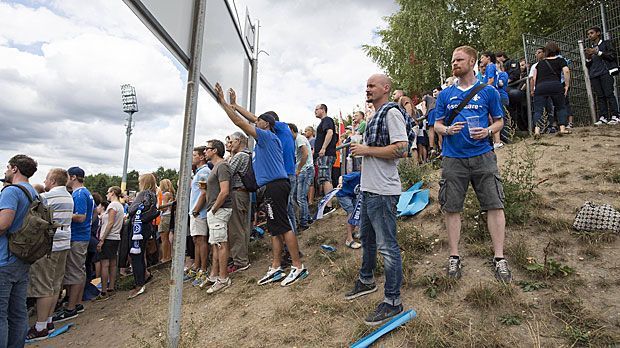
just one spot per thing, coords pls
(39, 326)
(49, 320)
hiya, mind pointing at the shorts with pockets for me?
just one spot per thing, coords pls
(325, 165)
(218, 225)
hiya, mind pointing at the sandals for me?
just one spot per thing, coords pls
(353, 244)
(137, 293)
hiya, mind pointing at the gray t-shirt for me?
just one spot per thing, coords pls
(117, 224)
(219, 173)
(379, 175)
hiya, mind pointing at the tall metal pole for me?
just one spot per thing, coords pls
(254, 77)
(175, 296)
(128, 132)
(604, 22)
(528, 89)
(586, 77)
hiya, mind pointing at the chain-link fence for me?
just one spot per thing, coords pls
(605, 15)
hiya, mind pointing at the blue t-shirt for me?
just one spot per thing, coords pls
(268, 161)
(431, 118)
(502, 76)
(13, 198)
(483, 104)
(202, 174)
(288, 146)
(349, 182)
(83, 204)
(490, 72)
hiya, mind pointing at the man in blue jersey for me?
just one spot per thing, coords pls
(487, 60)
(283, 133)
(14, 272)
(469, 157)
(75, 270)
(271, 176)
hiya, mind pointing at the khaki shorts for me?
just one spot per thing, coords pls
(198, 226)
(46, 275)
(218, 225)
(75, 270)
(164, 223)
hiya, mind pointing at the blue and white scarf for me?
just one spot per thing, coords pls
(137, 232)
(377, 133)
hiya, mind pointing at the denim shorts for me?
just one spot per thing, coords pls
(481, 171)
(347, 203)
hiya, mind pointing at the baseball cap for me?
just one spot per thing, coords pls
(267, 117)
(77, 171)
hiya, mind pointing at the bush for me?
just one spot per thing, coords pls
(519, 182)
(411, 172)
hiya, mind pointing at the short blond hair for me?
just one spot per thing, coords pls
(470, 51)
(59, 176)
(146, 182)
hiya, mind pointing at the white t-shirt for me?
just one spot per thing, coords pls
(299, 142)
(115, 233)
(379, 175)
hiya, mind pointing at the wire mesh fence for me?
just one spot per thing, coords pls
(605, 15)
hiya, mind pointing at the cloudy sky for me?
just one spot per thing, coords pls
(62, 63)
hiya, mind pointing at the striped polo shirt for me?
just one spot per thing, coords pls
(61, 201)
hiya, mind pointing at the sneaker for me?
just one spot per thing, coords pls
(219, 285)
(80, 308)
(235, 268)
(189, 275)
(65, 315)
(502, 272)
(200, 277)
(454, 268)
(207, 280)
(303, 227)
(34, 335)
(294, 275)
(328, 210)
(569, 125)
(601, 121)
(360, 289)
(383, 312)
(272, 275)
(552, 130)
(497, 146)
(101, 297)
(614, 121)
(50, 327)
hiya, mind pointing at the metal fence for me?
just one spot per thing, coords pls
(605, 15)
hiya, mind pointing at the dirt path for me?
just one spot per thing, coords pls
(581, 308)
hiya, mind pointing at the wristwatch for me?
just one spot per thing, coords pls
(490, 132)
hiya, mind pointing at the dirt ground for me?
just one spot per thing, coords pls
(579, 309)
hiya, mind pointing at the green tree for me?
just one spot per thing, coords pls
(417, 45)
(171, 174)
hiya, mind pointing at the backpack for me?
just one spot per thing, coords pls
(34, 238)
(248, 178)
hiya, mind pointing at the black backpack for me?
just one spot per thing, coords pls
(35, 236)
(248, 178)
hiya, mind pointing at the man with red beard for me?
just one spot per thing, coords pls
(469, 157)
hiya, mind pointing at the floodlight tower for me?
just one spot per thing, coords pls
(130, 106)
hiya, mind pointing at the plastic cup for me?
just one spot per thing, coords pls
(473, 122)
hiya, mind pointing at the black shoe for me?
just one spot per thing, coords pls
(383, 312)
(454, 268)
(328, 210)
(79, 307)
(360, 289)
(502, 272)
(303, 227)
(65, 315)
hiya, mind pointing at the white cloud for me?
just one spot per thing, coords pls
(62, 63)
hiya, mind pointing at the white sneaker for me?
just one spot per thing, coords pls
(614, 120)
(498, 145)
(219, 285)
(601, 121)
(295, 275)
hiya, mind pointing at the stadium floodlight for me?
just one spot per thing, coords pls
(130, 106)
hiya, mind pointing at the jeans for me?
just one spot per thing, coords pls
(137, 265)
(291, 203)
(13, 315)
(303, 184)
(555, 92)
(378, 233)
(603, 87)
